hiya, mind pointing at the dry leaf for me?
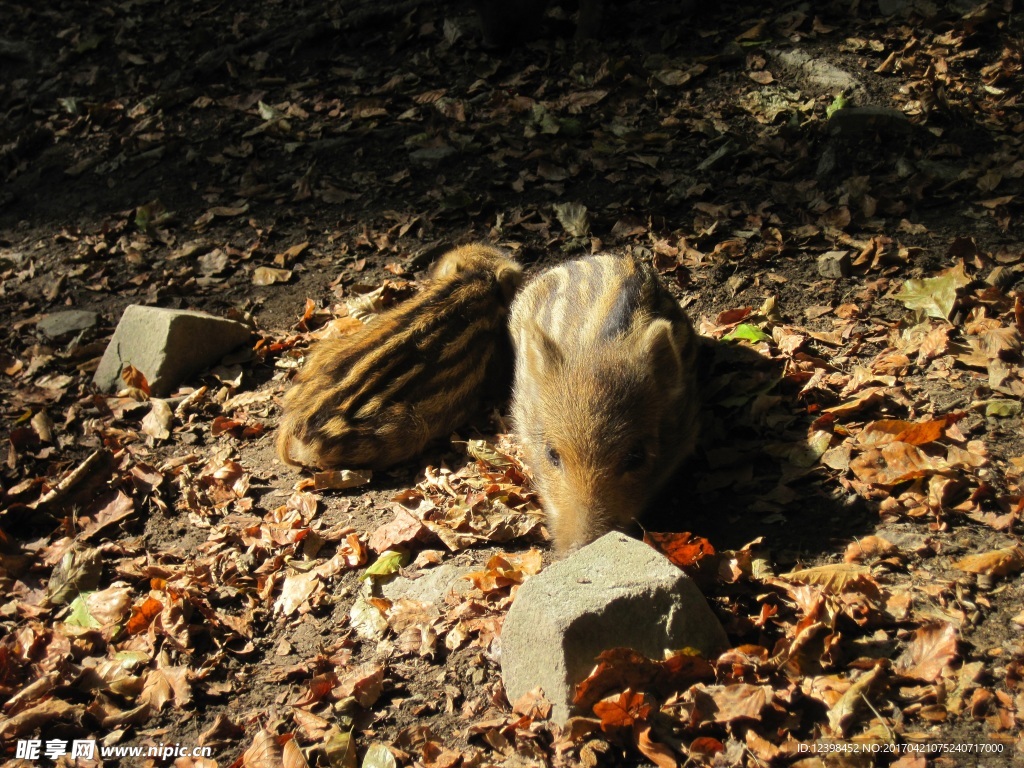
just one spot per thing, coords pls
(936, 296)
(340, 479)
(895, 463)
(837, 578)
(869, 548)
(1000, 562)
(844, 714)
(931, 649)
(159, 420)
(270, 276)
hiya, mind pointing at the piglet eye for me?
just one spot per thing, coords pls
(554, 457)
(635, 459)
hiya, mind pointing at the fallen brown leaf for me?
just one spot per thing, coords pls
(1000, 562)
(931, 649)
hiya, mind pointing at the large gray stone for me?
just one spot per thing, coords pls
(616, 592)
(818, 72)
(167, 346)
(56, 325)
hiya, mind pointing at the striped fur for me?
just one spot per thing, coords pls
(377, 397)
(605, 393)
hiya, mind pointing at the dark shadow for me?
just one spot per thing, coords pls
(751, 476)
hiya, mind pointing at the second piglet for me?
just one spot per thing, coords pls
(604, 398)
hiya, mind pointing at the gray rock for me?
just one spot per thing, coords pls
(856, 122)
(56, 325)
(167, 346)
(616, 592)
(834, 264)
(818, 72)
(431, 587)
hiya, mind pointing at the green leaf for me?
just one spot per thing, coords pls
(1002, 409)
(388, 563)
(80, 616)
(935, 296)
(747, 332)
(839, 102)
(143, 218)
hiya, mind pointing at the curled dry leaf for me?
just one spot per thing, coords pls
(340, 479)
(1000, 562)
(655, 751)
(270, 276)
(846, 712)
(379, 756)
(504, 571)
(533, 704)
(619, 669)
(292, 756)
(573, 218)
(109, 606)
(367, 619)
(41, 715)
(683, 549)
(115, 509)
(264, 752)
(622, 711)
(158, 422)
(869, 548)
(298, 588)
(135, 379)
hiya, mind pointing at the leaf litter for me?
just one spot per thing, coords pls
(160, 565)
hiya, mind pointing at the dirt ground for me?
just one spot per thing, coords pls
(857, 482)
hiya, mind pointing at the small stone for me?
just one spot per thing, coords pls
(617, 592)
(57, 325)
(167, 346)
(834, 264)
(432, 587)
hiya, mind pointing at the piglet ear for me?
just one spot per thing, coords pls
(510, 277)
(449, 265)
(538, 351)
(661, 350)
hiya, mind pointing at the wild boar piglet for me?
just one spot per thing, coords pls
(605, 392)
(375, 398)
